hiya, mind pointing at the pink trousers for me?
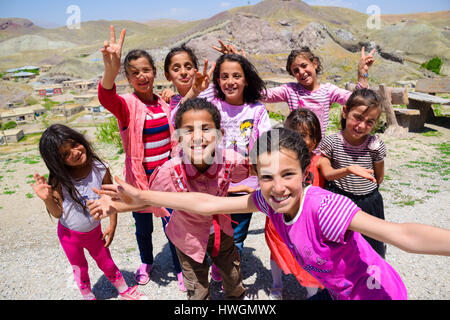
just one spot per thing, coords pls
(74, 243)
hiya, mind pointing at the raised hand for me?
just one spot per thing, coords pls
(166, 95)
(202, 80)
(112, 53)
(366, 61)
(227, 49)
(42, 189)
(362, 172)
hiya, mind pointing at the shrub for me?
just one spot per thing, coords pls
(108, 132)
(9, 125)
(434, 65)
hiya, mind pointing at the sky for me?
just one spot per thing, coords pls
(51, 13)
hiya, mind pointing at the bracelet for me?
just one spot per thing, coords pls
(365, 75)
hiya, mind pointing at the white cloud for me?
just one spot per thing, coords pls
(224, 4)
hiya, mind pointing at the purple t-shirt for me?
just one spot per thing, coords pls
(341, 259)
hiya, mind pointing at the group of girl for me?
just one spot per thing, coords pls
(211, 152)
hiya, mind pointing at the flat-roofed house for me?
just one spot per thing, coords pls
(11, 136)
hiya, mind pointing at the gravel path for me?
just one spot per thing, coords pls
(34, 267)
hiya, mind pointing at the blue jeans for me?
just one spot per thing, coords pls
(144, 230)
(241, 229)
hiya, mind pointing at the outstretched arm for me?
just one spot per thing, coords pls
(199, 203)
(410, 237)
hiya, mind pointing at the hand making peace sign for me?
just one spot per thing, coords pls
(365, 62)
(229, 48)
(112, 52)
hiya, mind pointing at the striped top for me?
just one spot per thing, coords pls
(342, 154)
(322, 242)
(156, 133)
(318, 101)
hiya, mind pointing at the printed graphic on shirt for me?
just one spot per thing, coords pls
(240, 141)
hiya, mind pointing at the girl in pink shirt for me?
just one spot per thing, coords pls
(308, 92)
(202, 166)
(322, 230)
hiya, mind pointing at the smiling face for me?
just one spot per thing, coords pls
(73, 154)
(181, 72)
(141, 75)
(280, 179)
(360, 121)
(232, 82)
(199, 137)
(305, 72)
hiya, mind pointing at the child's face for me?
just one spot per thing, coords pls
(232, 82)
(140, 75)
(305, 72)
(73, 154)
(280, 179)
(199, 137)
(181, 72)
(307, 137)
(359, 123)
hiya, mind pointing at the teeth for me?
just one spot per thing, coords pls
(280, 199)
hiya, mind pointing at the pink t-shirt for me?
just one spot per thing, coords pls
(242, 126)
(341, 259)
(189, 232)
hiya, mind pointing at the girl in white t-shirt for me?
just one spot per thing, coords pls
(74, 170)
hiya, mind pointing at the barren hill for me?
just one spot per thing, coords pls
(268, 31)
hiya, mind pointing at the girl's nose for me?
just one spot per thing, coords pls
(278, 187)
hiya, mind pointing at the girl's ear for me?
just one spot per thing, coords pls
(315, 64)
(344, 112)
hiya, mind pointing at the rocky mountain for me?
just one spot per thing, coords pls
(268, 31)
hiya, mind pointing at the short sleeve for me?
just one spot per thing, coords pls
(335, 214)
(378, 150)
(261, 203)
(209, 93)
(161, 180)
(326, 146)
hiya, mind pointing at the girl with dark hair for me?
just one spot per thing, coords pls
(308, 92)
(145, 129)
(353, 159)
(323, 230)
(236, 91)
(74, 169)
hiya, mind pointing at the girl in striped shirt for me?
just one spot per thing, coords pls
(308, 92)
(145, 129)
(321, 229)
(353, 159)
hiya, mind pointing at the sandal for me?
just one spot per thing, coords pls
(142, 275)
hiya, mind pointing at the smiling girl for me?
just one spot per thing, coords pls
(323, 230)
(145, 129)
(353, 159)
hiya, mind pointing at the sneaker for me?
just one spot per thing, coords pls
(215, 274)
(142, 275)
(181, 282)
(275, 294)
(132, 294)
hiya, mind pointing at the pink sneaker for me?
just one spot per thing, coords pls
(132, 294)
(181, 282)
(142, 276)
(215, 274)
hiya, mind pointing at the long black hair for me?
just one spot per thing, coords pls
(59, 174)
(255, 85)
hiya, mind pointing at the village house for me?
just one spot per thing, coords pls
(49, 90)
(23, 114)
(68, 110)
(11, 136)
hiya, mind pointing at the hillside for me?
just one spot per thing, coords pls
(268, 31)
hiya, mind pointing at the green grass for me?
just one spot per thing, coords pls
(29, 195)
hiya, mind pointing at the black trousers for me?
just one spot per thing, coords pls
(372, 204)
